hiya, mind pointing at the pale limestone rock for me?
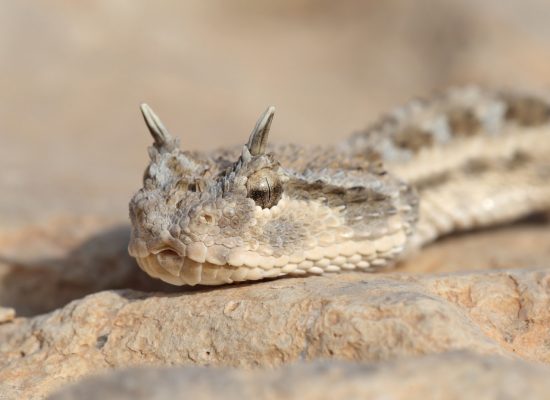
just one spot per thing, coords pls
(444, 376)
(6, 314)
(362, 317)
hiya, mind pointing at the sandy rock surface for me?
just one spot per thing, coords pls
(458, 375)
(361, 317)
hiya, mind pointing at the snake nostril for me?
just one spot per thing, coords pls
(209, 219)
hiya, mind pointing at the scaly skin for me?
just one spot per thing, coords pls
(472, 157)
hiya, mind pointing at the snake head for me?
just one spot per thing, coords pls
(242, 216)
(195, 215)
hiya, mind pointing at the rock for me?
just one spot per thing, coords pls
(444, 376)
(43, 267)
(6, 314)
(513, 246)
(361, 317)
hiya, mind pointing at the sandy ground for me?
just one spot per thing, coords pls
(72, 75)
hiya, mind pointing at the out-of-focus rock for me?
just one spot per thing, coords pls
(6, 314)
(362, 317)
(523, 245)
(72, 139)
(445, 376)
(45, 266)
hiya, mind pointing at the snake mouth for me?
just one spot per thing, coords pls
(172, 268)
(171, 261)
(188, 266)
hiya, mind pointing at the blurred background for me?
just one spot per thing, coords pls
(72, 75)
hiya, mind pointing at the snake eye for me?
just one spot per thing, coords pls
(265, 188)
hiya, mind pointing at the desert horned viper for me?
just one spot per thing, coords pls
(463, 159)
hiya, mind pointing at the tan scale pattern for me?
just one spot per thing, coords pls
(475, 157)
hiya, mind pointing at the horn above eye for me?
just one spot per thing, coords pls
(257, 142)
(158, 131)
(265, 188)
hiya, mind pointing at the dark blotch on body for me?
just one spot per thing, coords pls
(413, 138)
(463, 122)
(432, 181)
(527, 110)
(476, 166)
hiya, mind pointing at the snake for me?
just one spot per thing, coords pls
(461, 159)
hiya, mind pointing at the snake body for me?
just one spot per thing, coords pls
(463, 159)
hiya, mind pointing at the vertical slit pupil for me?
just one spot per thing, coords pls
(268, 191)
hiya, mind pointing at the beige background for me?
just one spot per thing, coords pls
(72, 75)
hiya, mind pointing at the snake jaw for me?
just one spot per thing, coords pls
(332, 249)
(184, 271)
(360, 255)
